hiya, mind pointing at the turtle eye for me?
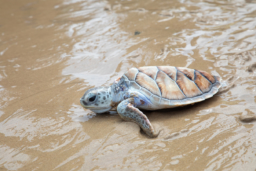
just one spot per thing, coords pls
(91, 99)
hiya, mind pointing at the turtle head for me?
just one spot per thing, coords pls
(97, 99)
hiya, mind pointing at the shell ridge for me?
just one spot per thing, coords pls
(157, 84)
(136, 74)
(195, 77)
(206, 78)
(193, 82)
(177, 83)
(176, 74)
(167, 75)
(185, 74)
(156, 73)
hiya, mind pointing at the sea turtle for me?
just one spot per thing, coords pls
(151, 88)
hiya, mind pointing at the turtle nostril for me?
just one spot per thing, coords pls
(84, 103)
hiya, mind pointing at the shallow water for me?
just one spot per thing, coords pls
(52, 51)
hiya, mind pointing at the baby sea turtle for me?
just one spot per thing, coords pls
(151, 88)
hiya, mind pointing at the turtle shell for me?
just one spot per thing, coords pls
(175, 86)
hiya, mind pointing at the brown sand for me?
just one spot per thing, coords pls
(52, 51)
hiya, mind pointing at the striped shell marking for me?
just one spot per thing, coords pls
(177, 85)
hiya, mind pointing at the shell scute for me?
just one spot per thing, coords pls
(131, 74)
(190, 73)
(147, 82)
(187, 86)
(202, 82)
(169, 70)
(151, 71)
(208, 76)
(168, 87)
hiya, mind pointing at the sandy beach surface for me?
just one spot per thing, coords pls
(51, 52)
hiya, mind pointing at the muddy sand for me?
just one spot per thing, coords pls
(51, 52)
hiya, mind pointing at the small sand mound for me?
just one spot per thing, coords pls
(247, 118)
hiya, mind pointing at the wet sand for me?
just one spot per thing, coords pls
(51, 52)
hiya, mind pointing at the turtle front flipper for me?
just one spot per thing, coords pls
(128, 112)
